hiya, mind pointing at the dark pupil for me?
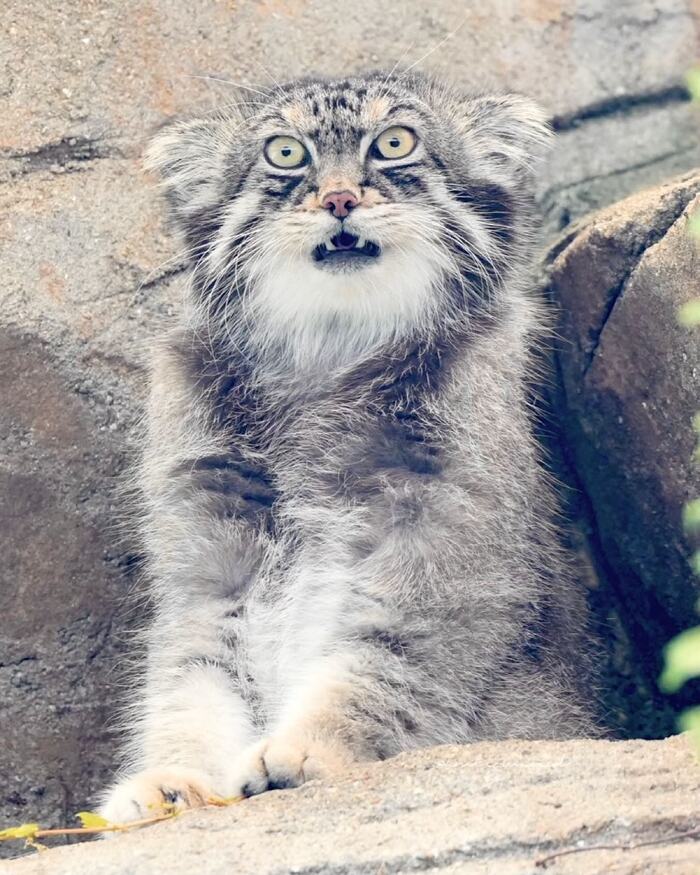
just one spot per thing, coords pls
(286, 151)
(394, 142)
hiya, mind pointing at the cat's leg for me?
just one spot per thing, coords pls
(427, 621)
(190, 720)
(315, 737)
(361, 703)
(352, 687)
(206, 531)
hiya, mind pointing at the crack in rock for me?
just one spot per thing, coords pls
(664, 830)
(675, 208)
(550, 196)
(13, 663)
(653, 236)
(620, 105)
(65, 155)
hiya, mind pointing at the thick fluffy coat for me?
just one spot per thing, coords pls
(350, 538)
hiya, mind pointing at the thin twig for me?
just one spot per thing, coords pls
(32, 834)
(543, 862)
(95, 830)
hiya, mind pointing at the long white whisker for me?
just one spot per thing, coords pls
(229, 82)
(436, 47)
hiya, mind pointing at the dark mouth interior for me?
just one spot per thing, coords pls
(346, 245)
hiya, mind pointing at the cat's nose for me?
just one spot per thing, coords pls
(340, 203)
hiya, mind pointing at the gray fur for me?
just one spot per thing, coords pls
(350, 535)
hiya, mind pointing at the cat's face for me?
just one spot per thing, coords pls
(336, 163)
(364, 197)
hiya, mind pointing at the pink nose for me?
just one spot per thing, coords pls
(340, 203)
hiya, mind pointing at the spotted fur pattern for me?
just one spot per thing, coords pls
(350, 537)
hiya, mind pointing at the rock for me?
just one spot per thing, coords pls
(80, 292)
(477, 809)
(629, 378)
(89, 274)
(591, 165)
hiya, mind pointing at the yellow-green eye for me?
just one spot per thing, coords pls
(395, 142)
(286, 152)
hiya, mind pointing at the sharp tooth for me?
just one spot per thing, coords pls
(330, 245)
(360, 243)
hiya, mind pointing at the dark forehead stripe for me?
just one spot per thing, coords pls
(340, 101)
(338, 133)
(336, 117)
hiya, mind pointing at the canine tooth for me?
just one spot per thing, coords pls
(360, 242)
(330, 245)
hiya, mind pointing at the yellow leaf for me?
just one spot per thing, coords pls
(691, 515)
(689, 721)
(90, 820)
(682, 660)
(25, 831)
(692, 80)
(688, 314)
(694, 224)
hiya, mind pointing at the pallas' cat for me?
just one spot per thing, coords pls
(350, 537)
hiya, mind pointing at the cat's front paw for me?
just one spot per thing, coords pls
(284, 761)
(155, 791)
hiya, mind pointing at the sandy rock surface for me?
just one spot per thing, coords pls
(482, 809)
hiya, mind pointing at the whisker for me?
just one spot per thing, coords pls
(229, 82)
(438, 46)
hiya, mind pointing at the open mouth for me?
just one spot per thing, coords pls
(346, 249)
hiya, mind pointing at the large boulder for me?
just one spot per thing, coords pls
(89, 275)
(629, 381)
(81, 291)
(512, 808)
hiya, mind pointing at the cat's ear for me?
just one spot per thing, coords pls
(506, 129)
(189, 157)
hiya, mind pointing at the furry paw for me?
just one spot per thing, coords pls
(280, 762)
(146, 793)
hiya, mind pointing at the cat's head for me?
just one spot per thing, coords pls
(382, 200)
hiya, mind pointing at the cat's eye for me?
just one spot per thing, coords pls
(396, 142)
(286, 152)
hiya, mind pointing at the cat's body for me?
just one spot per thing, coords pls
(349, 533)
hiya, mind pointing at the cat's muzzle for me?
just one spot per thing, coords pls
(345, 252)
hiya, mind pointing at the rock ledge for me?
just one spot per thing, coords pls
(485, 808)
